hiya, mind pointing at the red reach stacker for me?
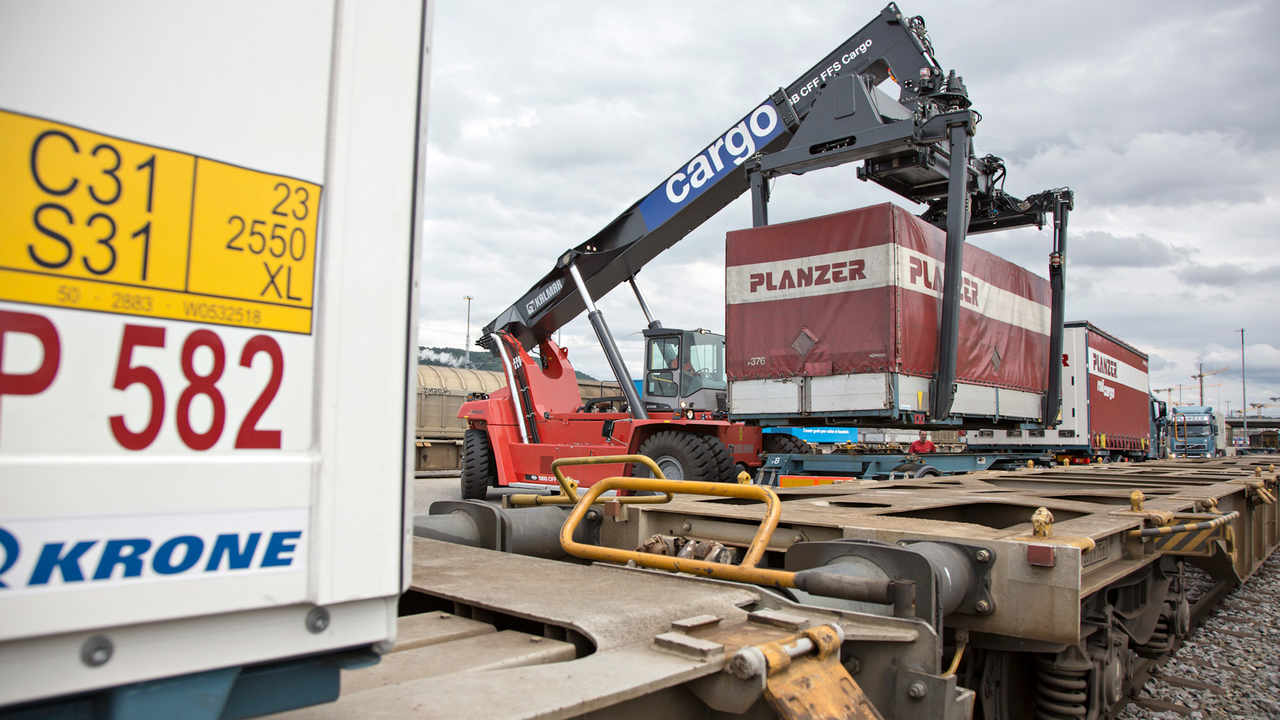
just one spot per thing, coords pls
(918, 145)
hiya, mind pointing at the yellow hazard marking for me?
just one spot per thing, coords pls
(1189, 543)
(99, 223)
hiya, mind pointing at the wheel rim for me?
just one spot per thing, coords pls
(670, 467)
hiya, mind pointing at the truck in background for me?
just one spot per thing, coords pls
(1107, 409)
(1197, 431)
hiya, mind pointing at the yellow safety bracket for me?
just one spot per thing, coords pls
(746, 571)
(568, 494)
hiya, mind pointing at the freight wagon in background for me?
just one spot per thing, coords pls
(1107, 408)
(442, 390)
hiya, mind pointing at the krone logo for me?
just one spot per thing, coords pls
(8, 553)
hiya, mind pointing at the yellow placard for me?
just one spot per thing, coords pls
(95, 222)
(253, 235)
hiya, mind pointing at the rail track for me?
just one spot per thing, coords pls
(1229, 666)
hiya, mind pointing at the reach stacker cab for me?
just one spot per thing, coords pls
(685, 371)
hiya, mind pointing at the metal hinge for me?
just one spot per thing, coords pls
(804, 679)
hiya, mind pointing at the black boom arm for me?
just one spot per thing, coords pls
(888, 46)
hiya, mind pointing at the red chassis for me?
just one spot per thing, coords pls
(563, 428)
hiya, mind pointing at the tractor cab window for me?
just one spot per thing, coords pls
(703, 364)
(663, 367)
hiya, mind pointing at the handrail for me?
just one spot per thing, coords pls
(1185, 527)
(899, 593)
(755, 551)
(1185, 434)
(569, 489)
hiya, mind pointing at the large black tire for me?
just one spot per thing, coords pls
(782, 443)
(726, 469)
(478, 469)
(681, 456)
(918, 470)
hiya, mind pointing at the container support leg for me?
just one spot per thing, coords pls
(944, 385)
(759, 197)
(1062, 202)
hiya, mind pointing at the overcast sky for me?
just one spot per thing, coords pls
(549, 120)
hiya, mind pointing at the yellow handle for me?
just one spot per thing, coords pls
(568, 489)
(744, 572)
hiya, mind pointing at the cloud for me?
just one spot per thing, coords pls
(1262, 367)
(1135, 72)
(1150, 168)
(548, 121)
(1226, 275)
(1095, 248)
(1090, 250)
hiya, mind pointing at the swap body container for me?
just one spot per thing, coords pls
(836, 317)
(1106, 401)
(207, 320)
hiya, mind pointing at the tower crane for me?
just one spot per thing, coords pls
(1168, 391)
(1259, 405)
(1200, 376)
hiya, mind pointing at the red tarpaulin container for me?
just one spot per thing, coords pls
(838, 315)
(1119, 392)
(1106, 400)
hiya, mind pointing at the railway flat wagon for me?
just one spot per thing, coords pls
(1063, 577)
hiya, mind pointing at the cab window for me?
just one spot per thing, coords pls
(663, 366)
(703, 364)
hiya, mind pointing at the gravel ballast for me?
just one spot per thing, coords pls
(1235, 650)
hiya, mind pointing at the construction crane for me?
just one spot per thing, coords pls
(1168, 391)
(1200, 376)
(1259, 405)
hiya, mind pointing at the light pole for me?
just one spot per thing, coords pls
(1244, 397)
(466, 348)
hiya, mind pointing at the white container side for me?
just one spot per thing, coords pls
(206, 331)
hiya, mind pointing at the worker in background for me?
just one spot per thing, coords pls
(922, 446)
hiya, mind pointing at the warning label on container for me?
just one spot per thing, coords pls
(95, 222)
